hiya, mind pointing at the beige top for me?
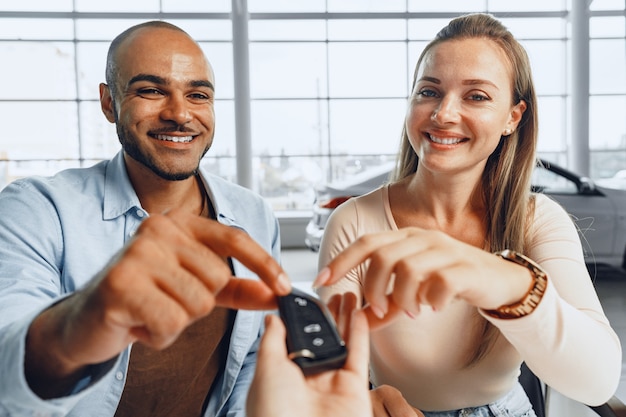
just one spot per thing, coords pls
(566, 341)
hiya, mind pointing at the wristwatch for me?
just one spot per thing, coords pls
(527, 304)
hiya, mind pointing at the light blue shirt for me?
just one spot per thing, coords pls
(57, 233)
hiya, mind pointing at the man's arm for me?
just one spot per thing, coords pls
(169, 275)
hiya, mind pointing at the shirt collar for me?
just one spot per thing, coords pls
(119, 194)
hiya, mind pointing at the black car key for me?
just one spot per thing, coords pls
(313, 341)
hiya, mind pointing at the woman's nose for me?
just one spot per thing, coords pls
(446, 112)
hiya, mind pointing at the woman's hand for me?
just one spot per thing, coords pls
(387, 401)
(411, 268)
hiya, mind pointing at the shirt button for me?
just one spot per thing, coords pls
(119, 375)
(140, 213)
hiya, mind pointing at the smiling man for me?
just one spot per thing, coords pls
(122, 285)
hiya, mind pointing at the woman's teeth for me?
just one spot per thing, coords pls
(445, 141)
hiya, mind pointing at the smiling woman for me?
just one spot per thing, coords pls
(456, 247)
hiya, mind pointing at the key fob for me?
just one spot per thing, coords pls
(313, 341)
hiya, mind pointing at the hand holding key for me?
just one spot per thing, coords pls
(312, 338)
(280, 388)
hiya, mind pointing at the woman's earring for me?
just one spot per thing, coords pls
(507, 132)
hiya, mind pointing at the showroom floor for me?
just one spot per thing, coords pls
(301, 265)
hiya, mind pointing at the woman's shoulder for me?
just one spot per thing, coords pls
(369, 204)
(547, 207)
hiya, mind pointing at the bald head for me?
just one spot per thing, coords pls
(112, 64)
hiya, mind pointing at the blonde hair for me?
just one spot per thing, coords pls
(505, 186)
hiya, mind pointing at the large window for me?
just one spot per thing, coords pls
(329, 81)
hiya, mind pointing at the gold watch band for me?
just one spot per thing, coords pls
(530, 301)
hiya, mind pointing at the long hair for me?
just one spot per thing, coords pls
(506, 181)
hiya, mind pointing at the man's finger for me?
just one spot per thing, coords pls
(246, 294)
(228, 241)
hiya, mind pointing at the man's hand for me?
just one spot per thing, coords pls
(173, 272)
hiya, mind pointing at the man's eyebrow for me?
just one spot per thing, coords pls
(155, 79)
(147, 77)
(203, 83)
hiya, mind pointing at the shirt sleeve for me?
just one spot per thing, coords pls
(340, 231)
(29, 283)
(568, 333)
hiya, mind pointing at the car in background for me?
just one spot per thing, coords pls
(599, 212)
(616, 181)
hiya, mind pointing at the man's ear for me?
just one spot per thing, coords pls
(106, 103)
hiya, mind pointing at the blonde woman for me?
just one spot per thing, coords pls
(464, 272)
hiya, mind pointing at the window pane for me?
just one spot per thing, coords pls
(426, 29)
(367, 29)
(607, 124)
(140, 6)
(36, 64)
(98, 136)
(290, 127)
(366, 6)
(220, 55)
(415, 50)
(206, 30)
(286, 182)
(527, 5)
(224, 140)
(454, 6)
(607, 26)
(103, 29)
(56, 135)
(36, 29)
(366, 126)
(285, 6)
(536, 28)
(293, 30)
(607, 66)
(286, 70)
(367, 69)
(212, 6)
(607, 5)
(38, 6)
(223, 167)
(547, 59)
(552, 128)
(91, 57)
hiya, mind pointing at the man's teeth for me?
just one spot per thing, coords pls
(175, 138)
(445, 141)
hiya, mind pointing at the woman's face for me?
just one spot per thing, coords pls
(461, 105)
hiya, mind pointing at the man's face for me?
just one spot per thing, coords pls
(164, 104)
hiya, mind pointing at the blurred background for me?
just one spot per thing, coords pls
(308, 91)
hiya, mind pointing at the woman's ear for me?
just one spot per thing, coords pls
(517, 111)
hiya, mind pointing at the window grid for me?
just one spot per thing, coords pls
(335, 162)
